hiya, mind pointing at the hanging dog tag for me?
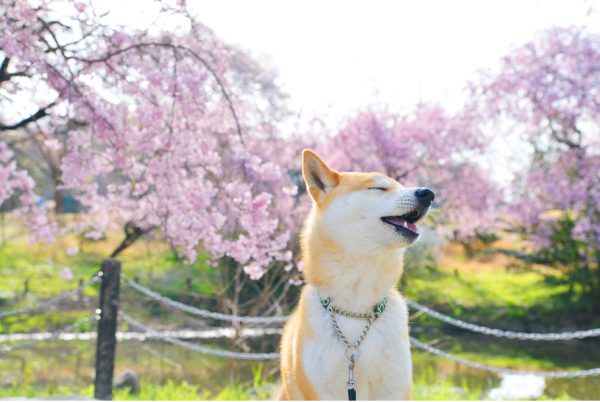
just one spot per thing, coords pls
(351, 381)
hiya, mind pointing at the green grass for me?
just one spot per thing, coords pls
(256, 389)
(479, 290)
(424, 389)
(183, 391)
(30, 273)
(475, 289)
(485, 291)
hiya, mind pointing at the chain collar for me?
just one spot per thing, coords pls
(373, 313)
(352, 349)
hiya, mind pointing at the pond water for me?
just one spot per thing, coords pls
(54, 363)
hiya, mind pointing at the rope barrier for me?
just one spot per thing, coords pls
(500, 370)
(199, 348)
(550, 336)
(415, 342)
(167, 337)
(204, 313)
(49, 302)
(151, 333)
(208, 333)
(48, 337)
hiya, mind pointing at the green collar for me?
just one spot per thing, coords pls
(374, 312)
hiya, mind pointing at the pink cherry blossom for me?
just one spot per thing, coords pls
(427, 147)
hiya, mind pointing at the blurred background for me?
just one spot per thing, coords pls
(167, 135)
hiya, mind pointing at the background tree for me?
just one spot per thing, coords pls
(550, 89)
(178, 133)
(427, 147)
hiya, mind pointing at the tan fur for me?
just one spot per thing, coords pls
(295, 384)
(319, 250)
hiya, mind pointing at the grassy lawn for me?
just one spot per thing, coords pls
(489, 290)
(261, 390)
(485, 289)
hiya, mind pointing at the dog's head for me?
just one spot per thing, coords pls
(362, 212)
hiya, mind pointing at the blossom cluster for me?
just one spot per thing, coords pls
(179, 134)
(176, 131)
(549, 89)
(427, 147)
(17, 183)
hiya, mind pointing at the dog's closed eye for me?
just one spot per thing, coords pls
(378, 188)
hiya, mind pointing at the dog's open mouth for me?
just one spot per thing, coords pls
(405, 224)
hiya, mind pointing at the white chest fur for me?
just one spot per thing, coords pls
(383, 369)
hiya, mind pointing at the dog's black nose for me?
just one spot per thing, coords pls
(425, 196)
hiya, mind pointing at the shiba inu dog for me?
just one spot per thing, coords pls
(348, 336)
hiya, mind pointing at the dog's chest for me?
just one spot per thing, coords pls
(383, 368)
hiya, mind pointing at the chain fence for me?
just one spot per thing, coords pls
(500, 370)
(47, 336)
(415, 342)
(175, 337)
(44, 304)
(550, 336)
(199, 348)
(204, 313)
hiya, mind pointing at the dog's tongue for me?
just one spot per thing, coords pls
(412, 227)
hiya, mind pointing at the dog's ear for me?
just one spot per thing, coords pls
(319, 177)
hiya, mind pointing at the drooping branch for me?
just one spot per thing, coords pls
(5, 75)
(42, 112)
(4, 69)
(132, 233)
(194, 54)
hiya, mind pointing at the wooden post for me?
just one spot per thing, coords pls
(106, 342)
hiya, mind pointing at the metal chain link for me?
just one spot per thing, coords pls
(209, 333)
(351, 314)
(199, 348)
(51, 301)
(282, 319)
(500, 370)
(370, 319)
(556, 336)
(550, 336)
(414, 341)
(204, 313)
(51, 336)
(347, 343)
(162, 357)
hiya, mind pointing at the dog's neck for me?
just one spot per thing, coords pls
(356, 282)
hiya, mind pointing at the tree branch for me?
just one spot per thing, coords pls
(132, 233)
(4, 68)
(194, 54)
(42, 112)
(5, 75)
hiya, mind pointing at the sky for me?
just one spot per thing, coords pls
(335, 57)
(338, 56)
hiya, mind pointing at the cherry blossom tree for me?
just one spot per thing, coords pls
(17, 182)
(172, 130)
(177, 132)
(427, 147)
(550, 89)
